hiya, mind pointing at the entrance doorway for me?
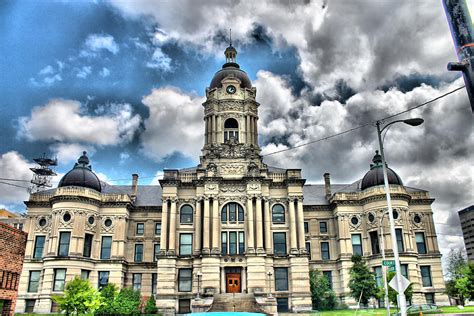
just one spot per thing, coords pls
(233, 280)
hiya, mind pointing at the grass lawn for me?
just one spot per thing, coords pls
(383, 312)
(455, 309)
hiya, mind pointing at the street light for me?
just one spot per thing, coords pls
(411, 122)
(269, 274)
(199, 275)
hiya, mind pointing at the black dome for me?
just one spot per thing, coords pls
(81, 175)
(374, 176)
(230, 68)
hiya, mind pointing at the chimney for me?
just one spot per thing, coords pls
(134, 187)
(327, 185)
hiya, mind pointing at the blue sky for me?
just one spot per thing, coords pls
(125, 81)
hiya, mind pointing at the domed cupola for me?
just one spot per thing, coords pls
(230, 68)
(81, 175)
(374, 176)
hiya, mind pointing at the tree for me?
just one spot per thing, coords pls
(321, 294)
(127, 302)
(362, 282)
(465, 284)
(455, 263)
(150, 307)
(392, 294)
(108, 294)
(79, 298)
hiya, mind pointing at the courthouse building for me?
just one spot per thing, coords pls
(231, 224)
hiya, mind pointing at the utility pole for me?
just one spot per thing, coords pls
(460, 23)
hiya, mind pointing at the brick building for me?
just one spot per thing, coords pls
(12, 251)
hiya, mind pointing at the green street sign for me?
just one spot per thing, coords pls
(391, 269)
(388, 263)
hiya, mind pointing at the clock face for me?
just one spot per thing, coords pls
(231, 89)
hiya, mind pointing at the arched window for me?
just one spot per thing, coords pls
(278, 213)
(186, 214)
(231, 130)
(232, 212)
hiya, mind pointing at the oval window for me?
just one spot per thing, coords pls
(67, 217)
(108, 222)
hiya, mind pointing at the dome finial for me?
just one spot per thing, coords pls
(377, 160)
(230, 37)
(83, 160)
(230, 52)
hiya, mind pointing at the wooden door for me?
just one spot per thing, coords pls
(233, 283)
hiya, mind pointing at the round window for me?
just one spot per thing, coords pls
(395, 214)
(67, 217)
(42, 222)
(371, 217)
(417, 219)
(91, 220)
(354, 220)
(108, 222)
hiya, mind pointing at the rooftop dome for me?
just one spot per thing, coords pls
(374, 176)
(81, 175)
(230, 68)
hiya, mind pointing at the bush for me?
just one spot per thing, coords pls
(150, 306)
(108, 293)
(323, 298)
(79, 298)
(127, 302)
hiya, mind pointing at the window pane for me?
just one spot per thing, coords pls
(138, 252)
(426, 275)
(158, 229)
(106, 247)
(137, 281)
(232, 243)
(140, 228)
(306, 227)
(281, 279)
(185, 244)
(420, 243)
(64, 238)
(279, 243)
(325, 251)
(356, 244)
(186, 215)
(85, 274)
(378, 276)
(224, 243)
(185, 280)
(328, 275)
(39, 247)
(156, 251)
(34, 281)
(103, 278)
(59, 278)
(241, 242)
(278, 213)
(232, 212)
(323, 228)
(240, 213)
(153, 283)
(399, 234)
(224, 214)
(87, 245)
(374, 241)
(404, 268)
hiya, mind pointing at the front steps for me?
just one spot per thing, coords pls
(235, 302)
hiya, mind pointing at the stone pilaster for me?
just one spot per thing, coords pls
(164, 227)
(250, 227)
(207, 229)
(300, 219)
(259, 226)
(197, 227)
(215, 226)
(172, 233)
(293, 236)
(267, 220)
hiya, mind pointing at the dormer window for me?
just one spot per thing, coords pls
(231, 130)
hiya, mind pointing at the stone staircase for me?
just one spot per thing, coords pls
(235, 302)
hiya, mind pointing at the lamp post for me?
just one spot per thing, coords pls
(269, 274)
(199, 275)
(384, 270)
(412, 122)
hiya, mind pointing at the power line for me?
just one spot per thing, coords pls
(13, 185)
(17, 180)
(364, 124)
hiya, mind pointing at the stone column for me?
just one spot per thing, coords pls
(172, 234)
(219, 130)
(207, 218)
(248, 137)
(293, 240)
(250, 226)
(255, 130)
(267, 220)
(214, 129)
(215, 226)
(164, 227)
(259, 225)
(301, 235)
(197, 228)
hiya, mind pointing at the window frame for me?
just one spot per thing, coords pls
(105, 273)
(154, 283)
(182, 214)
(426, 277)
(140, 229)
(374, 242)
(108, 248)
(36, 253)
(283, 244)
(355, 247)
(31, 280)
(328, 275)
(182, 245)
(325, 230)
(137, 281)
(400, 241)
(306, 227)
(325, 251)
(231, 131)
(155, 251)
(281, 279)
(30, 308)
(87, 249)
(63, 247)
(138, 254)
(232, 209)
(85, 274)
(57, 287)
(185, 278)
(423, 244)
(157, 230)
(281, 213)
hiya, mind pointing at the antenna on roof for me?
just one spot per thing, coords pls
(42, 175)
(230, 37)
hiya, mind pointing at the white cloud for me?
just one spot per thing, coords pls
(104, 72)
(14, 166)
(46, 70)
(68, 152)
(175, 124)
(84, 72)
(100, 42)
(66, 121)
(160, 60)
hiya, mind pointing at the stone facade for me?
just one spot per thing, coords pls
(230, 224)
(12, 251)
(466, 216)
